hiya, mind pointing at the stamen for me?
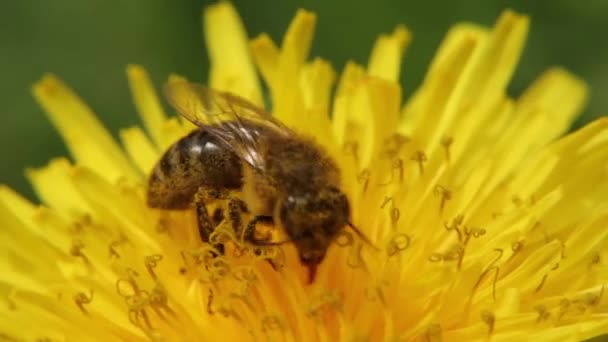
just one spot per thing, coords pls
(436, 257)
(387, 200)
(352, 147)
(517, 246)
(151, 262)
(76, 251)
(162, 225)
(210, 302)
(363, 178)
(159, 301)
(81, 299)
(595, 259)
(434, 332)
(132, 273)
(375, 293)
(475, 232)
(243, 299)
(491, 267)
(517, 201)
(421, 158)
(444, 194)
(126, 288)
(272, 322)
(542, 282)
(219, 268)
(456, 252)
(113, 253)
(394, 143)
(10, 299)
(398, 243)
(396, 166)
(344, 239)
(532, 199)
(80, 223)
(543, 313)
(395, 214)
(447, 142)
(137, 310)
(488, 318)
(455, 226)
(245, 273)
(227, 310)
(323, 302)
(355, 258)
(278, 258)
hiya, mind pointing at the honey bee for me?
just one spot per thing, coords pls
(279, 176)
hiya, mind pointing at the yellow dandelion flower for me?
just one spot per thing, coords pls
(486, 225)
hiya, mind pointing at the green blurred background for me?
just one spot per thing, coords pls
(89, 43)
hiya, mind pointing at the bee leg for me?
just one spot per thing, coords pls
(236, 207)
(218, 217)
(250, 236)
(206, 226)
(250, 230)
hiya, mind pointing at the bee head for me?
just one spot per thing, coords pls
(312, 220)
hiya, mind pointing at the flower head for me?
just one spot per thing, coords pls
(482, 223)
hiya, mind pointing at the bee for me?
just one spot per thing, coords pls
(279, 176)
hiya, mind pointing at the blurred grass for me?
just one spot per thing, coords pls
(89, 43)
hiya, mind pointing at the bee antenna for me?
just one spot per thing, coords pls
(361, 235)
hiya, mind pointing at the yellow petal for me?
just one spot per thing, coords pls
(385, 60)
(266, 56)
(350, 78)
(58, 193)
(372, 110)
(286, 97)
(147, 103)
(140, 149)
(231, 71)
(316, 81)
(85, 137)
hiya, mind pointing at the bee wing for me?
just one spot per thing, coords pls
(231, 119)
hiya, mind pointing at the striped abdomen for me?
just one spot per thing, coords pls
(197, 160)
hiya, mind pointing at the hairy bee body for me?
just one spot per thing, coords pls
(196, 160)
(272, 173)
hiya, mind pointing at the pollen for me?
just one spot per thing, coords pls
(486, 219)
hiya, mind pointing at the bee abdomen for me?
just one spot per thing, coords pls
(197, 160)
